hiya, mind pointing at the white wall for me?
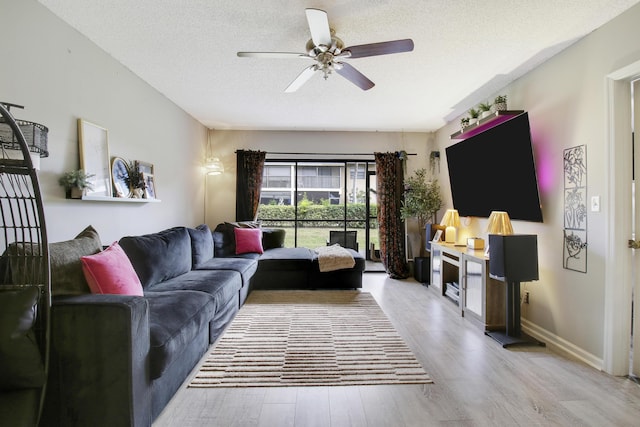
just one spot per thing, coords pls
(221, 189)
(566, 101)
(60, 76)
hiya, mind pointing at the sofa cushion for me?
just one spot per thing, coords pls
(224, 240)
(111, 272)
(67, 277)
(273, 238)
(286, 259)
(175, 319)
(248, 240)
(221, 285)
(20, 360)
(159, 256)
(246, 267)
(201, 244)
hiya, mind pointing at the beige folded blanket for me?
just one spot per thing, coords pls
(334, 257)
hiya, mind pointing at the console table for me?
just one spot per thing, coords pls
(462, 275)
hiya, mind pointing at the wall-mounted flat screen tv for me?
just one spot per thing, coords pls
(495, 171)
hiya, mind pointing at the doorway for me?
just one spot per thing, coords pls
(622, 269)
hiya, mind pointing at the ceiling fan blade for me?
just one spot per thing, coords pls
(283, 55)
(319, 26)
(302, 78)
(382, 48)
(354, 76)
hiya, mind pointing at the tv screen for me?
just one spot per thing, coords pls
(495, 171)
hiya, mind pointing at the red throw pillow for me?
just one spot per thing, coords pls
(248, 240)
(111, 272)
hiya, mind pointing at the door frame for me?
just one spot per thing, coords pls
(618, 216)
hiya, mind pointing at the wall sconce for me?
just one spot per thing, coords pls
(499, 223)
(35, 135)
(451, 220)
(214, 166)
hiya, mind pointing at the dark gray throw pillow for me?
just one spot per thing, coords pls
(20, 359)
(159, 256)
(273, 238)
(201, 244)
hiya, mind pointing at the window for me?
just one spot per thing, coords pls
(311, 198)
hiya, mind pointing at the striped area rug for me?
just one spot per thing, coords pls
(310, 338)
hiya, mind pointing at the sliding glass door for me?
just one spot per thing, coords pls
(312, 198)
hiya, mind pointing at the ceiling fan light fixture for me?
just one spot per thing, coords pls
(324, 47)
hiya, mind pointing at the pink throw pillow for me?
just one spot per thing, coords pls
(111, 272)
(248, 240)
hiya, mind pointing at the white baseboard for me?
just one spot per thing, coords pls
(560, 344)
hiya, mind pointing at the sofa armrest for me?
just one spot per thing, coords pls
(99, 373)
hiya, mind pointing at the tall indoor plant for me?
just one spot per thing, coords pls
(422, 199)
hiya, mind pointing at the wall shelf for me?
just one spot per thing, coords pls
(117, 199)
(486, 123)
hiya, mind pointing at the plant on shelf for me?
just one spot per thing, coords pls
(75, 183)
(485, 109)
(500, 103)
(464, 122)
(422, 199)
(135, 180)
(473, 114)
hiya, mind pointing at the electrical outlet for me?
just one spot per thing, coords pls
(526, 297)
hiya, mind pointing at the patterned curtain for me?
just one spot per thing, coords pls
(390, 178)
(248, 183)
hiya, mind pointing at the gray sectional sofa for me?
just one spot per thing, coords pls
(117, 360)
(288, 268)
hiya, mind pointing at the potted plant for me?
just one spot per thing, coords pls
(473, 114)
(464, 123)
(135, 180)
(75, 183)
(500, 103)
(485, 109)
(422, 199)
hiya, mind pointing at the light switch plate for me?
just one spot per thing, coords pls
(595, 203)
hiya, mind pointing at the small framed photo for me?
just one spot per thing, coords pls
(144, 167)
(438, 236)
(149, 186)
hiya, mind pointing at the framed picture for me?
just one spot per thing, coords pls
(149, 186)
(94, 157)
(144, 167)
(120, 178)
(438, 236)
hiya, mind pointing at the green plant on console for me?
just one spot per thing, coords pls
(75, 183)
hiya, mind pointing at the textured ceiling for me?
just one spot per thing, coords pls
(465, 51)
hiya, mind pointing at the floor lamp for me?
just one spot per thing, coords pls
(513, 259)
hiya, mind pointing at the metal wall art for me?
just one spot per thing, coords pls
(575, 209)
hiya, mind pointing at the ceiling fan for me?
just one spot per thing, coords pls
(327, 50)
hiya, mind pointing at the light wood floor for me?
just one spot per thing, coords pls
(476, 382)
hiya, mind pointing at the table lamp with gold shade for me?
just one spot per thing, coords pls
(451, 220)
(499, 223)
